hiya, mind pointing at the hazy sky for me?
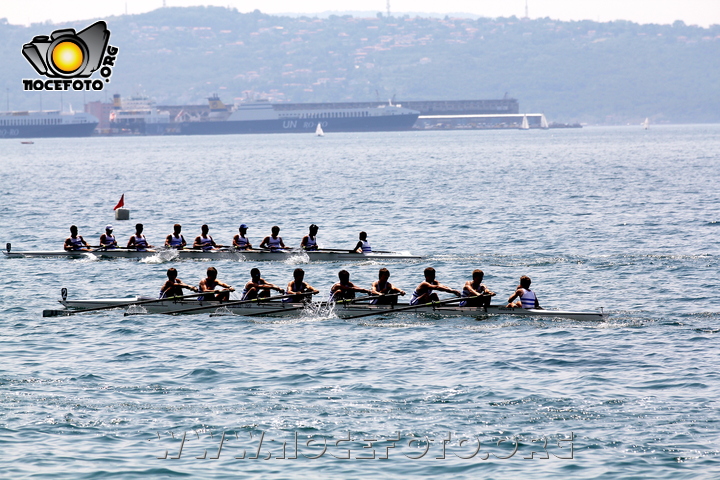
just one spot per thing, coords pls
(697, 12)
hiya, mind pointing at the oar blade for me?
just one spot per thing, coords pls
(56, 313)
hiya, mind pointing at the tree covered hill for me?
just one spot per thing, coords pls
(613, 72)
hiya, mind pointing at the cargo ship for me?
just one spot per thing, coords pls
(261, 116)
(46, 123)
(138, 116)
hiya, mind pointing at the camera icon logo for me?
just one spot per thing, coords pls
(67, 54)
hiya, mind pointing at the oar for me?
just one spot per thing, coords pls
(57, 313)
(224, 304)
(361, 299)
(101, 249)
(347, 250)
(322, 304)
(413, 307)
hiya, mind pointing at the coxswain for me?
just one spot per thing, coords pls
(207, 286)
(75, 242)
(475, 288)
(274, 242)
(175, 240)
(240, 241)
(363, 246)
(526, 298)
(138, 241)
(107, 239)
(173, 287)
(299, 289)
(204, 241)
(309, 242)
(344, 289)
(381, 287)
(258, 287)
(424, 292)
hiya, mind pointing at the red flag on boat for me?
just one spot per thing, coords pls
(121, 203)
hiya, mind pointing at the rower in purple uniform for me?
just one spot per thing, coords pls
(204, 241)
(424, 292)
(274, 242)
(309, 241)
(173, 286)
(363, 246)
(138, 240)
(257, 287)
(383, 287)
(526, 297)
(107, 239)
(240, 241)
(75, 242)
(475, 288)
(344, 289)
(207, 285)
(175, 240)
(300, 290)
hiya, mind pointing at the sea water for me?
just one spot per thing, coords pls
(620, 218)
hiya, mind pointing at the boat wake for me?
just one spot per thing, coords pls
(162, 256)
(297, 259)
(89, 257)
(318, 311)
(136, 310)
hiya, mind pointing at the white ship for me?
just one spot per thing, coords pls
(46, 123)
(138, 115)
(261, 116)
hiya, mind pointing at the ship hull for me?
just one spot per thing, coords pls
(329, 125)
(48, 131)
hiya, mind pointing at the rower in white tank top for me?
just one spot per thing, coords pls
(274, 242)
(523, 296)
(309, 241)
(363, 246)
(107, 239)
(175, 240)
(138, 241)
(240, 241)
(204, 241)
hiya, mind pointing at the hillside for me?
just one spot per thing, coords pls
(614, 72)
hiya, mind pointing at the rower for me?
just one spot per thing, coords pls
(75, 242)
(204, 241)
(138, 240)
(274, 243)
(344, 289)
(175, 240)
(299, 289)
(382, 287)
(526, 297)
(240, 241)
(363, 246)
(309, 242)
(257, 287)
(424, 292)
(209, 283)
(107, 239)
(173, 287)
(475, 288)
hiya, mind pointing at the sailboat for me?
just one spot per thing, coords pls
(646, 123)
(319, 131)
(524, 125)
(543, 122)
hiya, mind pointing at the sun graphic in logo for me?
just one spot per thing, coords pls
(67, 56)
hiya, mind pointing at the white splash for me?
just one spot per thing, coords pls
(162, 256)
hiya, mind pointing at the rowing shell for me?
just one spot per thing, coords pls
(280, 309)
(224, 254)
